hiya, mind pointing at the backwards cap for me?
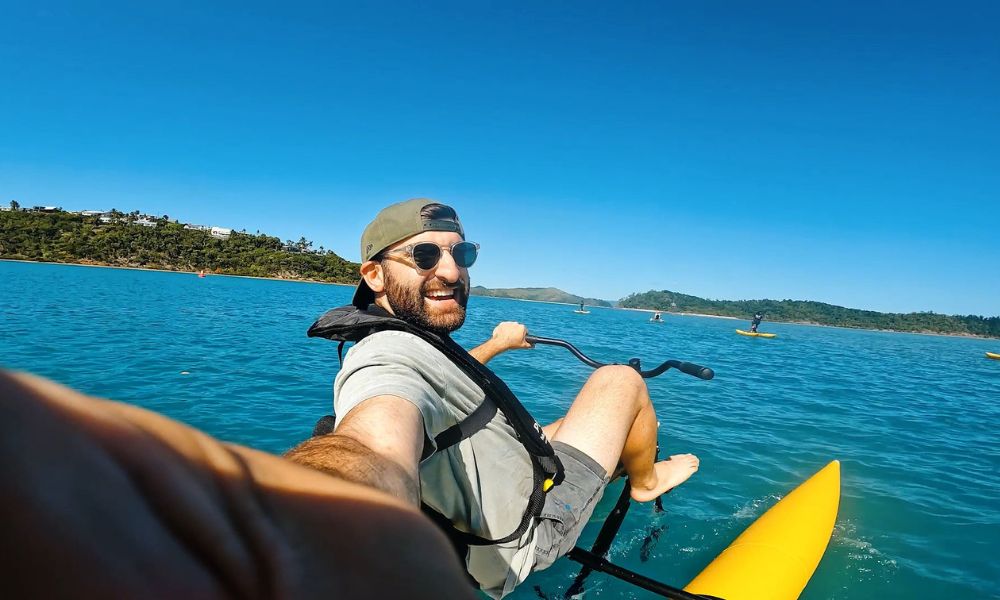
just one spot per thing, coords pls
(393, 224)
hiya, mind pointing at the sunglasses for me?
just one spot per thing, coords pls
(426, 255)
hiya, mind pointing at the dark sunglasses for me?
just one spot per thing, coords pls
(426, 255)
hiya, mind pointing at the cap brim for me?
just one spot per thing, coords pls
(363, 295)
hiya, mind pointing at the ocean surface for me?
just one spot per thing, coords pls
(913, 419)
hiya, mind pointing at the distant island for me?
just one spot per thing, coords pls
(548, 294)
(114, 238)
(118, 239)
(816, 313)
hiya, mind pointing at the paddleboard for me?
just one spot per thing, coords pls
(993, 356)
(775, 557)
(582, 312)
(751, 334)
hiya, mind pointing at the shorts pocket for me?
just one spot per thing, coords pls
(562, 510)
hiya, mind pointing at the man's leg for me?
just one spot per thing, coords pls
(612, 420)
(102, 499)
(552, 428)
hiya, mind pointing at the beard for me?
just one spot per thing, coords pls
(408, 304)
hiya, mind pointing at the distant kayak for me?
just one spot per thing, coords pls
(775, 557)
(993, 356)
(751, 334)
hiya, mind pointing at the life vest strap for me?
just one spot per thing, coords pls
(461, 540)
(476, 421)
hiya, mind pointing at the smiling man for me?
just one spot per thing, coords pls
(422, 419)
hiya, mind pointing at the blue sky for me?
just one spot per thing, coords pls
(847, 153)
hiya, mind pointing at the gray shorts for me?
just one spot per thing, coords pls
(569, 505)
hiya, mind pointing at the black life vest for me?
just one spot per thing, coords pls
(351, 324)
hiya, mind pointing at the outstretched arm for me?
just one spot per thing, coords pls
(122, 502)
(508, 335)
(377, 444)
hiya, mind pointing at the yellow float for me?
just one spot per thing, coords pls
(775, 557)
(753, 334)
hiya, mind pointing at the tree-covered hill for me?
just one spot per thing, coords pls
(801, 311)
(538, 294)
(68, 237)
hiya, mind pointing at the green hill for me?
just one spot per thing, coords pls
(73, 238)
(802, 311)
(538, 294)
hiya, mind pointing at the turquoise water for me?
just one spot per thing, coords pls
(912, 418)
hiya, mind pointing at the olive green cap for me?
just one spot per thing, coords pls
(400, 221)
(393, 224)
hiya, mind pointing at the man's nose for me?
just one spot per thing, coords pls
(447, 269)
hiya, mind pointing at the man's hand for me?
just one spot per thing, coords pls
(508, 335)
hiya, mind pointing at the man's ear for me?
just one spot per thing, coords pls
(374, 275)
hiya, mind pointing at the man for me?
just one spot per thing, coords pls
(398, 391)
(107, 500)
(757, 318)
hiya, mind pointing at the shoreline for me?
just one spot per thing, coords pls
(542, 301)
(685, 314)
(813, 324)
(647, 310)
(207, 274)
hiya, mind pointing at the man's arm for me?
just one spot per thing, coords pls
(506, 336)
(82, 476)
(377, 444)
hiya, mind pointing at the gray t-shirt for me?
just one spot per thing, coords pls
(482, 483)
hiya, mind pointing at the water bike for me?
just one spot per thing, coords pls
(755, 334)
(773, 558)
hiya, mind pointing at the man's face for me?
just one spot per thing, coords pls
(433, 299)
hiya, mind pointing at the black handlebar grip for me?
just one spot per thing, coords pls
(697, 370)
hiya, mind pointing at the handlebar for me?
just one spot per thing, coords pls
(684, 367)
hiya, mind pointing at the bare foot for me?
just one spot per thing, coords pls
(669, 473)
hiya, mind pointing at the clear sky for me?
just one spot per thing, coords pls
(841, 152)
